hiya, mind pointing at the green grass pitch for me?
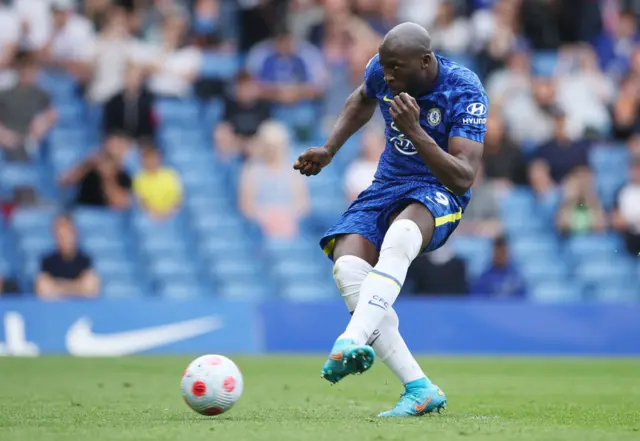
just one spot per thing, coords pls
(497, 399)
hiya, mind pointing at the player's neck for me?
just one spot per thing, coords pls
(432, 77)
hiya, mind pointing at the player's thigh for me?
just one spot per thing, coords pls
(355, 245)
(422, 217)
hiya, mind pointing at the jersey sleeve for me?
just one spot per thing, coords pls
(373, 77)
(469, 113)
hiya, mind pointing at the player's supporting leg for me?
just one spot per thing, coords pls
(349, 272)
(408, 234)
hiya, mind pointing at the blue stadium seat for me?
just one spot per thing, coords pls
(225, 271)
(214, 247)
(181, 290)
(548, 269)
(122, 289)
(302, 291)
(245, 290)
(16, 175)
(543, 63)
(162, 245)
(213, 203)
(63, 160)
(608, 186)
(605, 271)
(27, 219)
(70, 115)
(216, 65)
(66, 139)
(115, 269)
(538, 245)
(180, 113)
(476, 251)
(295, 270)
(98, 219)
(102, 245)
(621, 291)
(609, 159)
(172, 268)
(36, 244)
(556, 291)
(585, 247)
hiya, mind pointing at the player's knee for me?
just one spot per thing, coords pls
(350, 272)
(403, 240)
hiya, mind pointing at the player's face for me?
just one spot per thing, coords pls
(403, 73)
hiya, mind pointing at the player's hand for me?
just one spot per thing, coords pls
(313, 160)
(405, 113)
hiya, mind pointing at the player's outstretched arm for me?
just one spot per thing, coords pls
(455, 169)
(356, 112)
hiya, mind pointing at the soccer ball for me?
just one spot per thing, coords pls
(211, 384)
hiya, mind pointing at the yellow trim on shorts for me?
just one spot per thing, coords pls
(330, 246)
(449, 218)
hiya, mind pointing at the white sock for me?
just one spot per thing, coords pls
(349, 272)
(381, 287)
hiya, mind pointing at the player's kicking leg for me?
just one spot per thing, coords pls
(410, 232)
(354, 258)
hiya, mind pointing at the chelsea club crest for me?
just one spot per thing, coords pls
(434, 117)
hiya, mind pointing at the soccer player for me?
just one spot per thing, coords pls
(435, 113)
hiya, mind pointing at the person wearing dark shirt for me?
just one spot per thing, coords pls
(501, 280)
(101, 179)
(131, 111)
(438, 273)
(503, 160)
(244, 113)
(559, 157)
(67, 271)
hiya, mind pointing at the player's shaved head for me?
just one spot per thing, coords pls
(407, 37)
(407, 59)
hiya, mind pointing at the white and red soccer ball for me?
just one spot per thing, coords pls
(211, 384)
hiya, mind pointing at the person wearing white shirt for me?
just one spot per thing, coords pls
(9, 40)
(71, 41)
(360, 173)
(172, 69)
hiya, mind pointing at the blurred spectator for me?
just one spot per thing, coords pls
(495, 35)
(482, 216)
(69, 45)
(9, 40)
(8, 285)
(626, 215)
(157, 187)
(258, 19)
(614, 47)
(35, 18)
(504, 163)
(626, 109)
(558, 157)
(113, 49)
(529, 116)
(26, 114)
(131, 110)
(514, 80)
(214, 16)
(580, 210)
(155, 13)
(101, 179)
(422, 12)
(172, 65)
(381, 16)
(449, 33)
(438, 272)
(244, 112)
(540, 23)
(270, 193)
(584, 92)
(360, 173)
(67, 271)
(289, 71)
(502, 279)
(97, 11)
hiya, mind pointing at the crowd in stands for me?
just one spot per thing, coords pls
(138, 83)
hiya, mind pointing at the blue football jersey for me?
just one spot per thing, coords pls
(456, 105)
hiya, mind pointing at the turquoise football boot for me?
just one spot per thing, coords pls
(419, 398)
(347, 358)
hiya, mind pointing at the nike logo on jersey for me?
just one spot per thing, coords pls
(386, 99)
(82, 341)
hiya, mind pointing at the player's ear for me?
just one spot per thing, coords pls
(427, 59)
